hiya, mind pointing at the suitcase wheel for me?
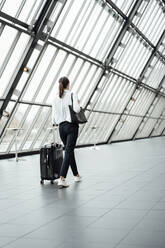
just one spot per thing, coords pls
(42, 181)
(52, 182)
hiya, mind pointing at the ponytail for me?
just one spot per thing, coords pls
(61, 90)
(63, 83)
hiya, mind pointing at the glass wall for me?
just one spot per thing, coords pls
(123, 99)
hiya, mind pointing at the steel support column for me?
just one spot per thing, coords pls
(155, 50)
(116, 43)
(38, 28)
(139, 82)
(156, 95)
(162, 111)
(114, 48)
(160, 117)
(162, 132)
(144, 71)
(128, 21)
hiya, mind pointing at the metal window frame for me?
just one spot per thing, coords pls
(13, 20)
(38, 28)
(10, 51)
(128, 22)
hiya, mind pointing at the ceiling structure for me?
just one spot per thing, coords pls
(113, 53)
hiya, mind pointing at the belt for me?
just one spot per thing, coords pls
(64, 122)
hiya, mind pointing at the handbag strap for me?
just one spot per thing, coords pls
(72, 99)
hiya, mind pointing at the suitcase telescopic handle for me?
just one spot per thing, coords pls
(56, 138)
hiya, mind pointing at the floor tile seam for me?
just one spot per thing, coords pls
(124, 184)
(35, 209)
(19, 238)
(35, 229)
(161, 199)
(84, 203)
(7, 208)
(18, 217)
(23, 215)
(61, 245)
(98, 217)
(119, 202)
(136, 224)
(9, 223)
(106, 213)
(108, 191)
(10, 242)
(23, 201)
(133, 228)
(52, 220)
(127, 198)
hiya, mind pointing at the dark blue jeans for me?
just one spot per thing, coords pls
(68, 133)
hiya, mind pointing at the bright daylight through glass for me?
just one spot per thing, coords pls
(113, 52)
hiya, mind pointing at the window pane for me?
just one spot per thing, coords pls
(89, 26)
(140, 102)
(159, 127)
(115, 94)
(44, 134)
(155, 72)
(24, 10)
(151, 20)
(162, 47)
(43, 84)
(97, 129)
(4, 119)
(5, 51)
(14, 123)
(44, 73)
(12, 55)
(11, 7)
(39, 117)
(23, 118)
(133, 56)
(125, 6)
(159, 107)
(126, 128)
(145, 128)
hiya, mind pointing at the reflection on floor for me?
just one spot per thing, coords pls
(120, 202)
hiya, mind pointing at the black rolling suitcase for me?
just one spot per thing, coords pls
(51, 157)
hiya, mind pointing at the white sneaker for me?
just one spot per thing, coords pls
(62, 183)
(56, 180)
(77, 179)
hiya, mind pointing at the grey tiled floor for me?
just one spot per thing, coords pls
(119, 204)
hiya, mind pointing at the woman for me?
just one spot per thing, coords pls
(68, 131)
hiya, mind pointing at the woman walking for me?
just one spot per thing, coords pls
(68, 131)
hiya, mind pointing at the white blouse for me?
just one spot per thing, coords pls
(60, 107)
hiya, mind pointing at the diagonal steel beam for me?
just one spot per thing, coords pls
(48, 8)
(128, 21)
(159, 118)
(154, 52)
(160, 85)
(117, 41)
(13, 20)
(148, 110)
(162, 132)
(144, 71)
(139, 79)
(38, 28)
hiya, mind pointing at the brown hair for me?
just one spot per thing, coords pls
(63, 83)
